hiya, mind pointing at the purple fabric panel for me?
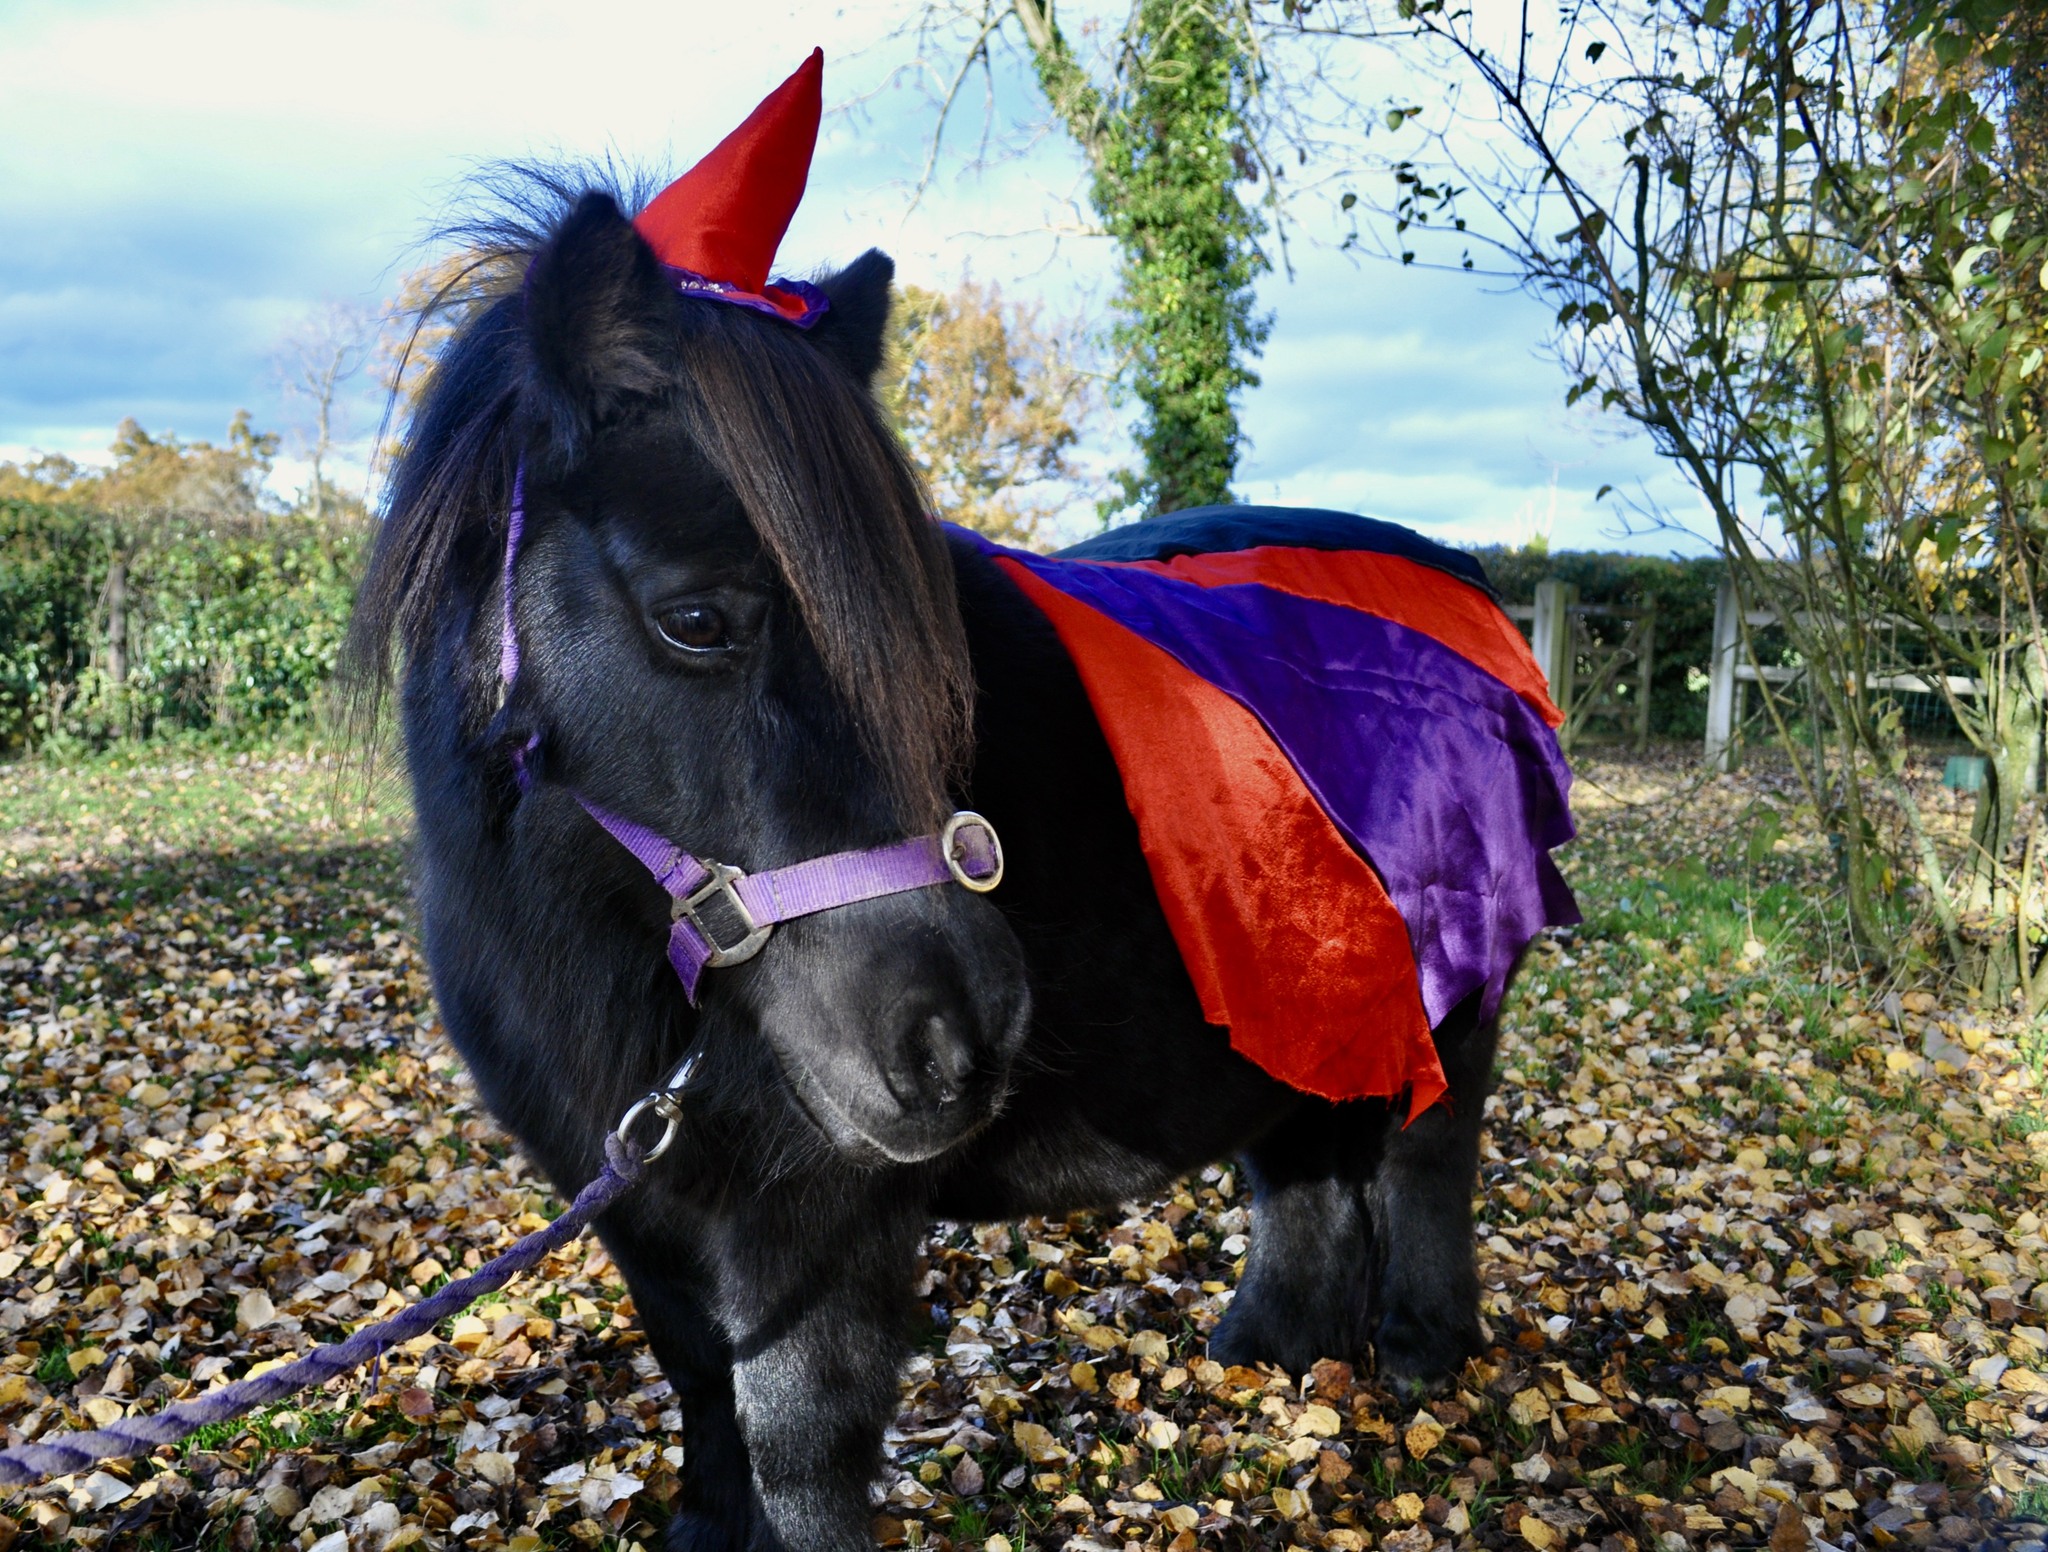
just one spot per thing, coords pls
(1447, 781)
(841, 879)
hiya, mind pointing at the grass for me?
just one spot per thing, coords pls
(53, 1367)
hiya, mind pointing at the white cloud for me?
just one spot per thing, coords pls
(178, 183)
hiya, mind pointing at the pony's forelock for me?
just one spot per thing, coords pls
(820, 475)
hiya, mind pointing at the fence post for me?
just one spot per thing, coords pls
(1721, 685)
(1550, 639)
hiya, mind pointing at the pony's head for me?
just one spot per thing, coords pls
(736, 625)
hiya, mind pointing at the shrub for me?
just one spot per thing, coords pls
(232, 625)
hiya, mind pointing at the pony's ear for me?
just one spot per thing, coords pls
(599, 318)
(855, 327)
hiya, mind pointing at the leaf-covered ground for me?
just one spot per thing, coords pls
(1762, 1244)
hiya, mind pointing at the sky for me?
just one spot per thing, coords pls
(181, 186)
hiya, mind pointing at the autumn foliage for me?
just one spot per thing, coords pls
(991, 402)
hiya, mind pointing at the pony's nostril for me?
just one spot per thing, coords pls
(936, 1061)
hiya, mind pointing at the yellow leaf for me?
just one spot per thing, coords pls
(1162, 1433)
(1148, 1344)
(1424, 1434)
(254, 1309)
(1536, 1533)
(1580, 1391)
(1317, 1422)
(1037, 1443)
(1926, 1426)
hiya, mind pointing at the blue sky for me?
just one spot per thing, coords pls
(181, 184)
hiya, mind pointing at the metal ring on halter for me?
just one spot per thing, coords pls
(956, 865)
(665, 1102)
(662, 1106)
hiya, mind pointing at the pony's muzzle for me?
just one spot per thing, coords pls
(897, 1021)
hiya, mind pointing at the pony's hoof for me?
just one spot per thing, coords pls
(1237, 1342)
(1416, 1358)
(1244, 1341)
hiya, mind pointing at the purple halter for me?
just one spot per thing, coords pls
(720, 915)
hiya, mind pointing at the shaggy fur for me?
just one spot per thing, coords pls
(931, 1055)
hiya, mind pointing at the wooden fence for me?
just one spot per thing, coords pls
(1597, 680)
(1728, 672)
(1601, 679)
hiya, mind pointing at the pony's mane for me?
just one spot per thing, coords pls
(822, 477)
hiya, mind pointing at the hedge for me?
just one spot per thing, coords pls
(236, 627)
(231, 627)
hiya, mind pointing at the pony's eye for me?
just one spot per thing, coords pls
(693, 627)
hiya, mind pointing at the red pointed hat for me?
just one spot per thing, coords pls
(716, 228)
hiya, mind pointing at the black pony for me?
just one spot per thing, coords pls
(741, 629)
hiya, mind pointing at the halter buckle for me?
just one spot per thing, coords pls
(969, 843)
(721, 917)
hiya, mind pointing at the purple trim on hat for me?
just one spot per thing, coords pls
(1444, 779)
(816, 303)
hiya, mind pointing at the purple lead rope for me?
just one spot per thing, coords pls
(721, 916)
(72, 1452)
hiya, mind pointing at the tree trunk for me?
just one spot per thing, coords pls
(117, 623)
(1164, 142)
(2012, 771)
(320, 445)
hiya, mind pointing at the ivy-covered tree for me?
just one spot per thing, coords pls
(1171, 161)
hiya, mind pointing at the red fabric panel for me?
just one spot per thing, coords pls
(1390, 586)
(724, 218)
(1286, 931)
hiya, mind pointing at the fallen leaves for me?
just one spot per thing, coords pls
(1761, 1259)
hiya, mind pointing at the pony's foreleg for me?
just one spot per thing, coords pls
(1420, 1200)
(717, 1510)
(817, 1314)
(1306, 1292)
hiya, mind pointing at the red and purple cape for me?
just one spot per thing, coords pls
(1341, 758)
